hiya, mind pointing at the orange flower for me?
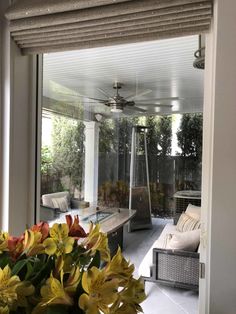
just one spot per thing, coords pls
(16, 246)
(75, 230)
(43, 228)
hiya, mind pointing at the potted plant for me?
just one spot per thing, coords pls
(63, 269)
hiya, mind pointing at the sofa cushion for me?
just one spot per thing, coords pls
(145, 266)
(61, 203)
(187, 223)
(187, 241)
(194, 211)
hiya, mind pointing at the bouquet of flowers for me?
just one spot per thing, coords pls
(63, 269)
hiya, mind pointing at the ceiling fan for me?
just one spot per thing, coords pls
(118, 103)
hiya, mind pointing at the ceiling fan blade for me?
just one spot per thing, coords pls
(162, 99)
(104, 93)
(153, 105)
(134, 108)
(147, 91)
(80, 96)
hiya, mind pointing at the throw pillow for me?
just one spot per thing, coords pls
(187, 241)
(187, 223)
(61, 203)
(193, 211)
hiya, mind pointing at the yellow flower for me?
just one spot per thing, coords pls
(97, 241)
(100, 292)
(120, 268)
(32, 243)
(4, 310)
(125, 308)
(3, 242)
(73, 280)
(134, 294)
(24, 290)
(8, 286)
(129, 298)
(59, 242)
(52, 293)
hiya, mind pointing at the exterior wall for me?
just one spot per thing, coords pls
(218, 249)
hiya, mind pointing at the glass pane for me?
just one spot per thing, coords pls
(77, 89)
(62, 149)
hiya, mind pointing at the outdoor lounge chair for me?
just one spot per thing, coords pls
(176, 268)
(52, 205)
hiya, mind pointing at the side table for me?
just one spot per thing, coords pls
(183, 198)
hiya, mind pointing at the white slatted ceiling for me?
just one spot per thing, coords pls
(164, 66)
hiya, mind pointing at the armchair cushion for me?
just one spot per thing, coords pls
(47, 198)
(61, 203)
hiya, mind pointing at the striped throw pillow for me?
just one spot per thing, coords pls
(187, 223)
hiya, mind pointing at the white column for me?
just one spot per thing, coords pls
(91, 162)
(218, 241)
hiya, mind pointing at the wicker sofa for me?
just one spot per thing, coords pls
(176, 268)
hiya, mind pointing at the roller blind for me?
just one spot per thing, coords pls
(57, 25)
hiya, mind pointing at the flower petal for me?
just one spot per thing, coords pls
(50, 246)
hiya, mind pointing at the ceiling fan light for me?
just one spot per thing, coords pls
(116, 110)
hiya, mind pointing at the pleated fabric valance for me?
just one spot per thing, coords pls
(57, 25)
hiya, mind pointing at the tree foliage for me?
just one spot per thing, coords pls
(46, 160)
(107, 136)
(165, 135)
(124, 131)
(68, 149)
(159, 135)
(189, 135)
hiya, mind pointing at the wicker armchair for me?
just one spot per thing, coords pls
(175, 268)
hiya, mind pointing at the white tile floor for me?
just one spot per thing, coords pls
(160, 298)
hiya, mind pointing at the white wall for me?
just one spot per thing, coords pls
(17, 135)
(218, 290)
(4, 131)
(22, 149)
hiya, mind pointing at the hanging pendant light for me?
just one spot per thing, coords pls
(199, 54)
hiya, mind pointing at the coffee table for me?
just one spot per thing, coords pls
(111, 220)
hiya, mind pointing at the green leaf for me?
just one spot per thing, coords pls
(44, 272)
(34, 268)
(4, 260)
(19, 266)
(29, 270)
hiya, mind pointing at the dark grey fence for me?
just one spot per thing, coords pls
(167, 175)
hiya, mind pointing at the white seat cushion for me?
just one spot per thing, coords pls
(187, 241)
(145, 266)
(47, 198)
